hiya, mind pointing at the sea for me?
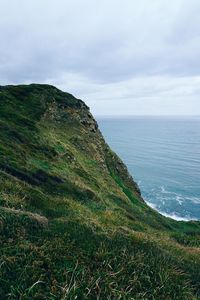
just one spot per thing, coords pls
(163, 156)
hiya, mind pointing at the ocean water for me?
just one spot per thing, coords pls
(163, 156)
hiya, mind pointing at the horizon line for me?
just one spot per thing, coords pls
(149, 116)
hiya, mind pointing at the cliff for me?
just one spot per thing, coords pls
(72, 220)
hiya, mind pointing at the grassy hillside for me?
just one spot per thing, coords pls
(73, 224)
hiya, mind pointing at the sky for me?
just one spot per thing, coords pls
(122, 57)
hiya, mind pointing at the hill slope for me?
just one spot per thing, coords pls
(73, 223)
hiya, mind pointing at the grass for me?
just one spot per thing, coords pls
(73, 224)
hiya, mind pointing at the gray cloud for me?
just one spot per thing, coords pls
(112, 53)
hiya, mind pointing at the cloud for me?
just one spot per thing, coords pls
(110, 53)
(151, 95)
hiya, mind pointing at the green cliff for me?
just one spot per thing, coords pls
(73, 224)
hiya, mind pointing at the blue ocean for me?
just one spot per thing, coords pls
(163, 156)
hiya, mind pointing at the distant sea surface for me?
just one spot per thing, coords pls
(163, 156)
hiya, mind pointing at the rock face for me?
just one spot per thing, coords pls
(49, 108)
(73, 224)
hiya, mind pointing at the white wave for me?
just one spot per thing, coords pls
(172, 215)
(177, 218)
(151, 205)
(179, 199)
(194, 200)
(164, 191)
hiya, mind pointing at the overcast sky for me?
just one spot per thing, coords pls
(122, 57)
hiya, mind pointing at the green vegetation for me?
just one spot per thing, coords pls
(72, 221)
